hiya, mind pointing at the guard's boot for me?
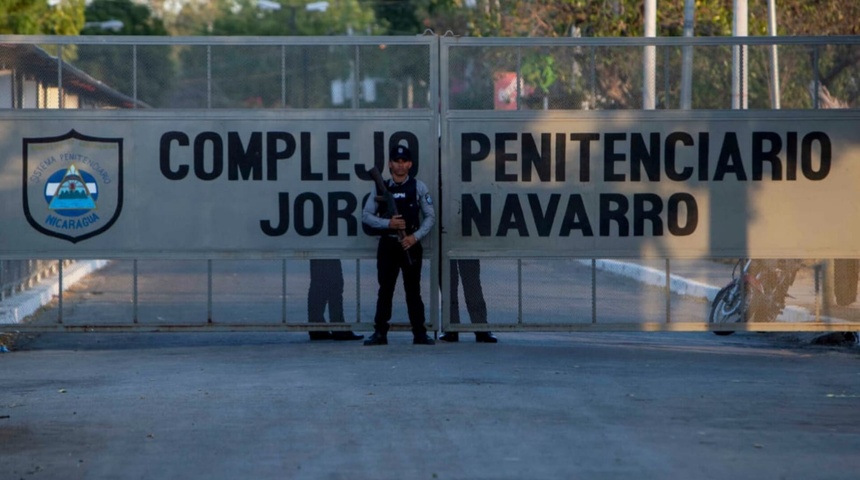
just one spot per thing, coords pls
(320, 335)
(422, 339)
(485, 337)
(344, 336)
(377, 338)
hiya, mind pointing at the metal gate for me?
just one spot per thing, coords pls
(202, 169)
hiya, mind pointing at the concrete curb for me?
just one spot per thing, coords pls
(653, 276)
(16, 308)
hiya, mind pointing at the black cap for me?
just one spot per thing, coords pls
(400, 153)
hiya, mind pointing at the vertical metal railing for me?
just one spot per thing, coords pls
(9, 283)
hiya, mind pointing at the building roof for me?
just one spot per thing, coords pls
(37, 63)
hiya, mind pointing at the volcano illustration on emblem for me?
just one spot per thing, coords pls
(73, 184)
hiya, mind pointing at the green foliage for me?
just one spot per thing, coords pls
(612, 77)
(137, 19)
(307, 70)
(598, 78)
(401, 18)
(112, 64)
(244, 17)
(36, 17)
(539, 70)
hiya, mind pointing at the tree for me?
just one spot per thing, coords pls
(836, 67)
(39, 17)
(290, 17)
(540, 71)
(112, 63)
(610, 77)
(137, 19)
(307, 69)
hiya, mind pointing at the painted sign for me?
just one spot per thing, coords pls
(130, 184)
(676, 184)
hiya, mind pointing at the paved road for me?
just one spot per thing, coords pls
(609, 405)
(273, 405)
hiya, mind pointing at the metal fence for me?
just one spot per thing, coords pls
(392, 73)
(495, 76)
(17, 276)
(613, 74)
(553, 81)
(215, 72)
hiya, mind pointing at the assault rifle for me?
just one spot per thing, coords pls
(388, 198)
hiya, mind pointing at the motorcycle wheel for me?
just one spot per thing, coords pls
(726, 307)
(845, 281)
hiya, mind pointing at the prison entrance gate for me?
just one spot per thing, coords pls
(208, 197)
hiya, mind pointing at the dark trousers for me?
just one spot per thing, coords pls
(470, 272)
(390, 261)
(326, 289)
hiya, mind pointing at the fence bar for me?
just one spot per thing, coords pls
(208, 76)
(519, 291)
(284, 290)
(209, 291)
(356, 74)
(818, 292)
(358, 290)
(134, 298)
(668, 292)
(134, 75)
(593, 71)
(283, 75)
(59, 77)
(60, 293)
(593, 290)
(816, 80)
(519, 76)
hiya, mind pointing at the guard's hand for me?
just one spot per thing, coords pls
(397, 223)
(408, 241)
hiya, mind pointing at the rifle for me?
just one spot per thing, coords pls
(388, 198)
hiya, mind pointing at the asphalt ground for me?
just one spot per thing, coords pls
(534, 406)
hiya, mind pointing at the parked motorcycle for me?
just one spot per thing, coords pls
(756, 293)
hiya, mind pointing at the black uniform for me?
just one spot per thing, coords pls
(469, 271)
(413, 201)
(326, 289)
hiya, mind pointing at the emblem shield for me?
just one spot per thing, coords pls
(72, 184)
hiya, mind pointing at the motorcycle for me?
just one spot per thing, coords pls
(756, 293)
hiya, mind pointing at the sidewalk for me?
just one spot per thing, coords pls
(14, 309)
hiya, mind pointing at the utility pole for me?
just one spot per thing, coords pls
(687, 56)
(740, 28)
(649, 74)
(774, 56)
